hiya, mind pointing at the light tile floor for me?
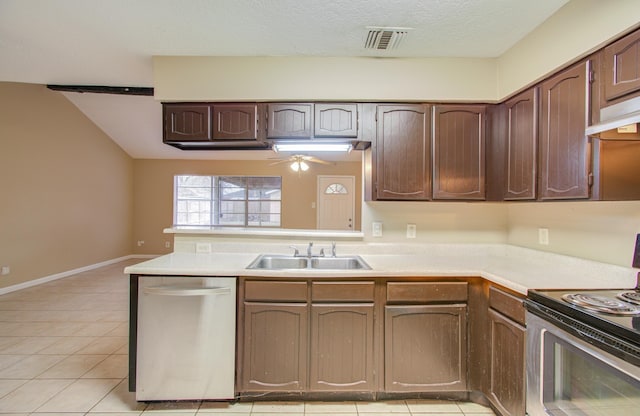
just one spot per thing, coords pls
(63, 350)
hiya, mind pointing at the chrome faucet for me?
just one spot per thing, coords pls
(310, 254)
(333, 249)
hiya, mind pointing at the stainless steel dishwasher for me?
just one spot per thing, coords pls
(186, 338)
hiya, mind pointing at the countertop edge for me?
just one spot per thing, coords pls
(515, 269)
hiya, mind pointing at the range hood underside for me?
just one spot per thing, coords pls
(615, 116)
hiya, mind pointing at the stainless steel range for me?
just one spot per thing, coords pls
(583, 352)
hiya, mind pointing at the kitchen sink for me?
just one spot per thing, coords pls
(339, 263)
(280, 262)
(274, 262)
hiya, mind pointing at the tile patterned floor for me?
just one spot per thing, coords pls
(63, 350)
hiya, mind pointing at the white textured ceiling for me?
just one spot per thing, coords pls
(111, 42)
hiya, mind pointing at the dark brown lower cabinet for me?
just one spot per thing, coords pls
(507, 389)
(425, 348)
(275, 347)
(324, 338)
(341, 349)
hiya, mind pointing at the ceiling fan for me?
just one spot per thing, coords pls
(300, 163)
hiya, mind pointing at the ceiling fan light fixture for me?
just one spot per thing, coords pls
(312, 147)
(299, 165)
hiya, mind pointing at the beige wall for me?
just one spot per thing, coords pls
(577, 29)
(153, 188)
(66, 197)
(202, 78)
(603, 231)
(437, 222)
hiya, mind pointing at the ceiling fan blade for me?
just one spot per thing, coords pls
(279, 162)
(316, 160)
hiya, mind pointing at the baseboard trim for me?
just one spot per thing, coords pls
(45, 279)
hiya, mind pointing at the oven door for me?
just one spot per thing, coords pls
(567, 376)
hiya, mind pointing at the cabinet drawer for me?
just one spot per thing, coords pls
(426, 292)
(507, 304)
(343, 291)
(275, 291)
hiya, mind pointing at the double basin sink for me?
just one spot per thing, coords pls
(280, 262)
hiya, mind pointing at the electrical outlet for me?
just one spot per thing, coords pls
(543, 236)
(5, 270)
(376, 229)
(167, 244)
(411, 231)
(140, 243)
(203, 247)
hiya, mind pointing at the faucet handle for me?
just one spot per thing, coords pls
(296, 253)
(333, 249)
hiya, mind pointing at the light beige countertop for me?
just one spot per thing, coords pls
(513, 267)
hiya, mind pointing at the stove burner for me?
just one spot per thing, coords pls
(630, 296)
(603, 304)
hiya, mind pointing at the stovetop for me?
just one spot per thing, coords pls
(625, 326)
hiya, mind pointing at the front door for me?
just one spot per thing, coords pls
(336, 202)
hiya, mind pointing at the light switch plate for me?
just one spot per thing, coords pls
(411, 231)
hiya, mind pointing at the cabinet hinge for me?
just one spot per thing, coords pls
(590, 179)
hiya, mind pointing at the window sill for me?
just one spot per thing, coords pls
(267, 232)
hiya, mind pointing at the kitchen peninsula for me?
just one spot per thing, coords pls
(418, 324)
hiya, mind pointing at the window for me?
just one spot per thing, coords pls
(228, 201)
(336, 188)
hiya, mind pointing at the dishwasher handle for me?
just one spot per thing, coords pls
(186, 291)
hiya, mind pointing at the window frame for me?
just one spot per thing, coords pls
(216, 201)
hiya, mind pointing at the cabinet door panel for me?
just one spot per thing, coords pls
(235, 122)
(507, 387)
(425, 348)
(289, 121)
(622, 67)
(458, 152)
(522, 142)
(187, 122)
(402, 152)
(275, 352)
(564, 166)
(336, 120)
(341, 347)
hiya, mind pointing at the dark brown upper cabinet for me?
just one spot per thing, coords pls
(402, 149)
(290, 121)
(459, 152)
(187, 122)
(521, 146)
(564, 147)
(335, 120)
(204, 126)
(235, 122)
(622, 67)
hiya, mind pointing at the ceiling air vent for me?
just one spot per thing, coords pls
(385, 38)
